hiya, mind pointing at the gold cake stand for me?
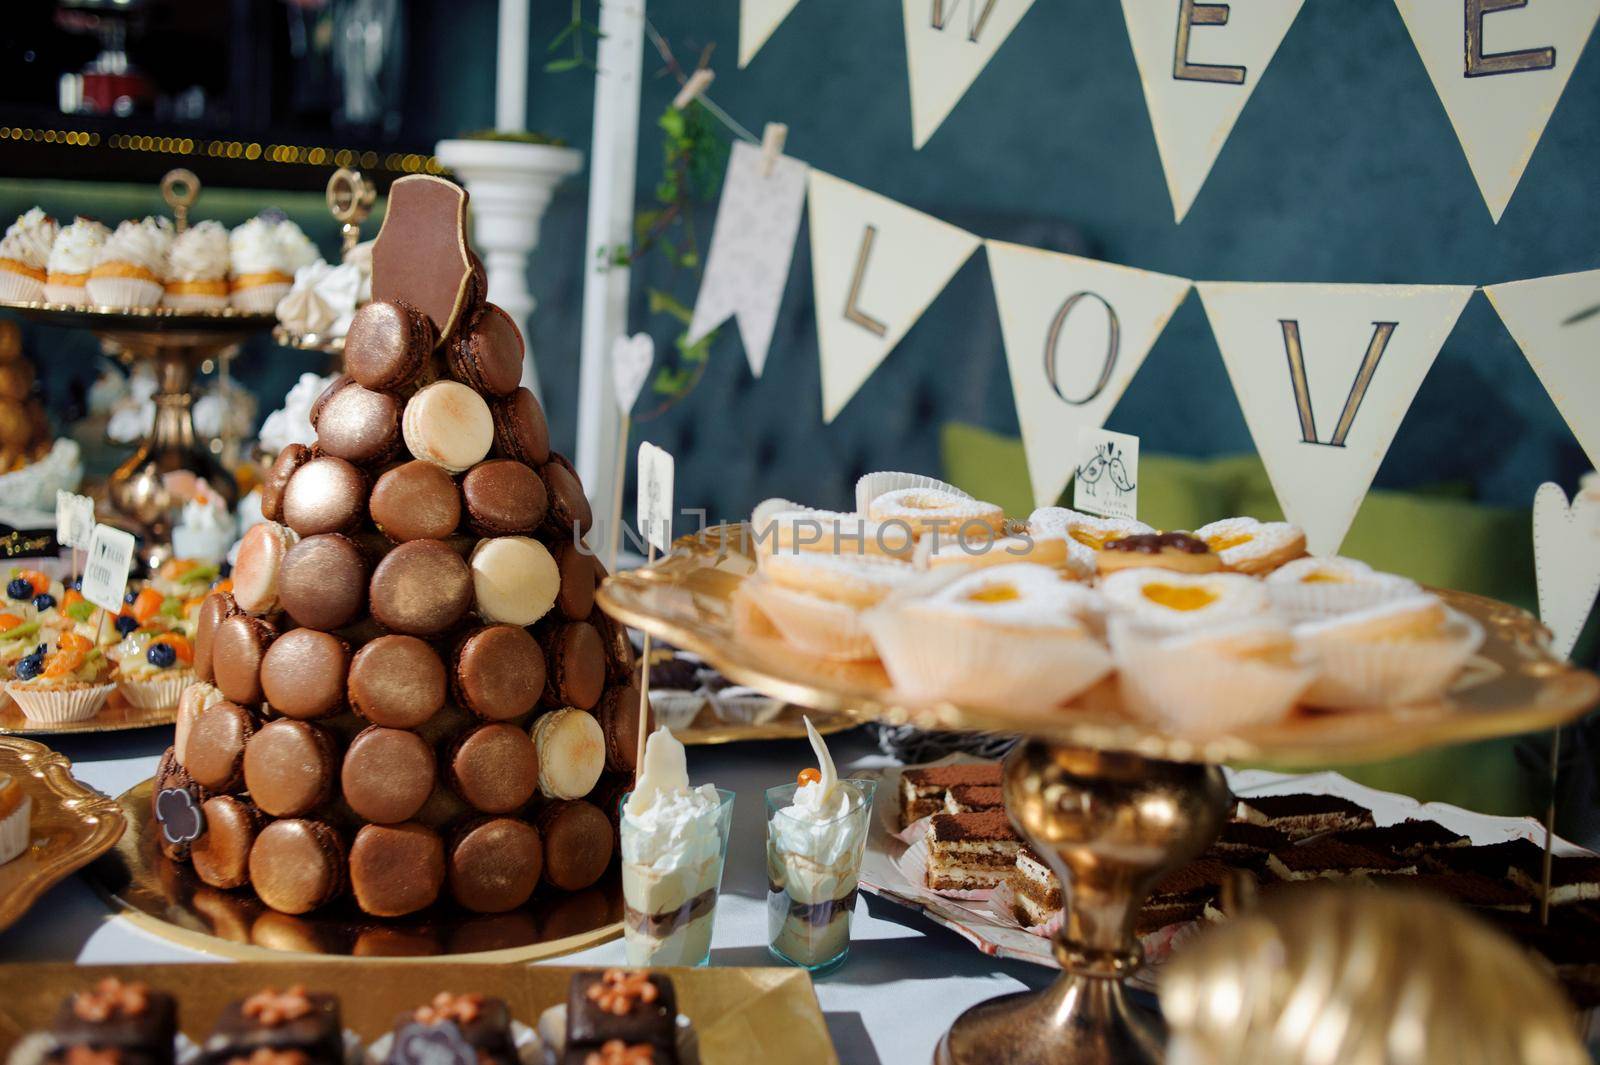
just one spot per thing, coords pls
(1111, 803)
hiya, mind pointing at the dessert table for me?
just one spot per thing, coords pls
(906, 980)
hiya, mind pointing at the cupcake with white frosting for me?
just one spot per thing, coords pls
(71, 258)
(130, 267)
(264, 254)
(24, 253)
(197, 268)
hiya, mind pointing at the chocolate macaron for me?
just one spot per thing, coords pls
(303, 673)
(620, 654)
(569, 512)
(260, 564)
(503, 497)
(520, 429)
(323, 583)
(360, 426)
(572, 753)
(387, 774)
(415, 501)
(291, 458)
(514, 580)
(397, 681)
(494, 864)
(619, 720)
(577, 843)
(216, 746)
(388, 345)
(494, 768)
(327, 494)
(579, 571)
(487, 355)
(237, 649)
(421, 588)
(449, 425)
(575, 665)
(221, 856)
(289, 767)
(214, 610)
(396, 869)
(297, 865)
(498, 672)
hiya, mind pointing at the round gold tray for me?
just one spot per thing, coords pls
(709, 730)
(117, 715)
(71, 825)
(307, 341)
(142, 319)
(166, 899)
(1513, 685)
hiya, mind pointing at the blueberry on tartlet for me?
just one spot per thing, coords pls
(20, 588)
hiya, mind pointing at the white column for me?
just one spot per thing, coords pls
(613, 157)
(511, 68)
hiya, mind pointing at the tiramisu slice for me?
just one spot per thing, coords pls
(1571, 880)
(1299, 816)
(1498, 861)
(970, 852)
(1407, 839)
(970, 798)
(1326, 859)
(1242, 839)
(1469, 889)
(1036, 888)
(922, 790)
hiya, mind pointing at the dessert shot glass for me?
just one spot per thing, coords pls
(812, 871)
(670, 881)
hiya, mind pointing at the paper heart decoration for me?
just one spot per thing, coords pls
(1566, 558)
(179, 816)
(631, 359)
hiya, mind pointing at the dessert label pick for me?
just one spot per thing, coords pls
(1566, 558)
(74, 519)
(631, 359)
(105, 574)
(1106, 481)
(654, 505)
(179, 815)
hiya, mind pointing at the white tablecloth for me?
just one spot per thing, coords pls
(905, 981)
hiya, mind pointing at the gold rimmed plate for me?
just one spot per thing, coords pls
(118, 715)
(167, 900)
(225, 319)
(1513, 685)
(787, 723)
(769, 1015)
(72, 824)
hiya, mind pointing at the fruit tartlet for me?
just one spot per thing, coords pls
(153, 668)
(1309, 589)
(64, 684)
(16, 815)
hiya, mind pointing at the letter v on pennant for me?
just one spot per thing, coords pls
(1324, 375)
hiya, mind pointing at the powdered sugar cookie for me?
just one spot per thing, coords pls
(1057, 552)
(829, 532)
(1180, 601)
(856, 581)
(933, 511)
(1175, 551)
(1246, 545)
(1406, 650)
(1311, 588)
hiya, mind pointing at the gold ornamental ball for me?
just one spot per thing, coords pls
(16, 378)
(1357, 975)
(10, 340)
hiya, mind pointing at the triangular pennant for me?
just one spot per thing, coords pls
(1199, 63)
(757, 20)
(948, 43)
(1556, 322)
(875, 266)
(1566, 560)
(1499, 69)
(1324, 375)
(1076, 331)
(758, 219)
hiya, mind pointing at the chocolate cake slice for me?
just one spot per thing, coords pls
(1325, 859)
(1300, 815)
(633, 1007)
(922, 790)
(970, 852)
(1571, 880)
(127, 1020)
(290, 1020)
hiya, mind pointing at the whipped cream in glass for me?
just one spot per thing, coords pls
(816, 835)
(674, 845)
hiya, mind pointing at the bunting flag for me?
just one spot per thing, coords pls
(1566, 560)
(1324, 375)
(876, 265)
(1199, 63)
(1076, 331)
(757, 20)
(948, 43)
(752, 246)
(1556, 322)
(1499, 67)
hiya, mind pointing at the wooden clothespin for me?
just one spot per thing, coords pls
(698, 82)
(772, 140)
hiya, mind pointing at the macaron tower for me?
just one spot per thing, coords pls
(409, 699)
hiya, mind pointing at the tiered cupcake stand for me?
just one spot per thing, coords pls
(1111, 803)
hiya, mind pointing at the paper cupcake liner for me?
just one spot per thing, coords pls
(1200, 693)
(123, 292)
(676, 709)
(160, 692)
(815, 626)
(929, 658)
(259, 299)
(20, 288)
(1311, 602)
(744, 706)
(58, 706)
(67, 295)
(1366, 676)
(194, 301)
(15, 830)
(873, 485)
